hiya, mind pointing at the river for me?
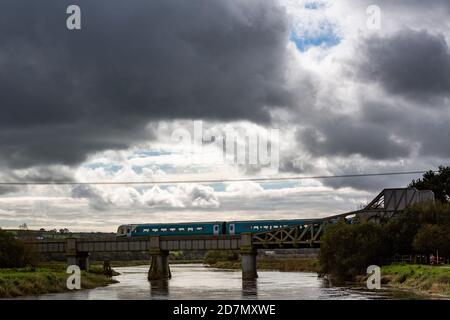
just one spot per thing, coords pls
(194, 281)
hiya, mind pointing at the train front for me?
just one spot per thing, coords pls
(124, 231)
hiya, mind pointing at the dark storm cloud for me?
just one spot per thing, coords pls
(374, 183)
(7, 190)
(65, 93)
(415, 124)
(411, 63)
(345, 136)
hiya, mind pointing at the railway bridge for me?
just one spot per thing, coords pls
(77, 250)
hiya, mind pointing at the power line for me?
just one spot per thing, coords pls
(167, 182)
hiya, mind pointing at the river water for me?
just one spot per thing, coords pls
(194, 281)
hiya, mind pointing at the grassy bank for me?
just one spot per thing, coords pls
(426, 279)
(46, 279)
(298, 265)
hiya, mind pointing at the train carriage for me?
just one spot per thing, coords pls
(255, 226)
(208, 228)
(172, 229)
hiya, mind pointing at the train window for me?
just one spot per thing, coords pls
(201, 228)
(146, 230)
(164, 229)
(180, 229)
(265, 227)
(190, 229)
(275, 227)
(155, 229)
(255, 227)
(172, 229)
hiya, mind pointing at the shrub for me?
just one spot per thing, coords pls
(347, 250)
(214, 256)
(13, 253)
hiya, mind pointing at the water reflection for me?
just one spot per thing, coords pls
(159, 288)
(249, 289)
(195, 281)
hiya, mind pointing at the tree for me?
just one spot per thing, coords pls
(214, 256)
(401, 230)
(23, 226)
(432, 238)
(12, 251)
(438, 182)
(347, 250)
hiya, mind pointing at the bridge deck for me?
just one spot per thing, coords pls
(139, 244)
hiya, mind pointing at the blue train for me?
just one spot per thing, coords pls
(207, 228)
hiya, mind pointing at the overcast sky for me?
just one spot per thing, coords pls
(104, 103)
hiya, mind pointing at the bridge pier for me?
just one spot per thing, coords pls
(159, 266)
(75, 257)
(248, 258)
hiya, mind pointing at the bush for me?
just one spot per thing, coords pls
(214, 256)
(13, 253)
(402, 278)
(347, 250)
(432, 238)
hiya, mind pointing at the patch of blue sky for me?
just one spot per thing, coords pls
(151, 153)
(167, 168)
(137, 169)
(218, 187)
(325, 37)
(107, 167)
(314, 5)
(278, 185)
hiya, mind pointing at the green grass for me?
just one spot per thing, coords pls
(423, 278)
(45, 279)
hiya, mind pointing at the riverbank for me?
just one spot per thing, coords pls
(44, 279)
(424, 279)
(293, 265)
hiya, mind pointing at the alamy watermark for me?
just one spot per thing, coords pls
(73, 21)
(259, 148)
(74, 280)
(374, 279)
(373, 21)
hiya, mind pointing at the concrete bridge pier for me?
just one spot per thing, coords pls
(75, 257)
(159, 266)
(248, 258)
